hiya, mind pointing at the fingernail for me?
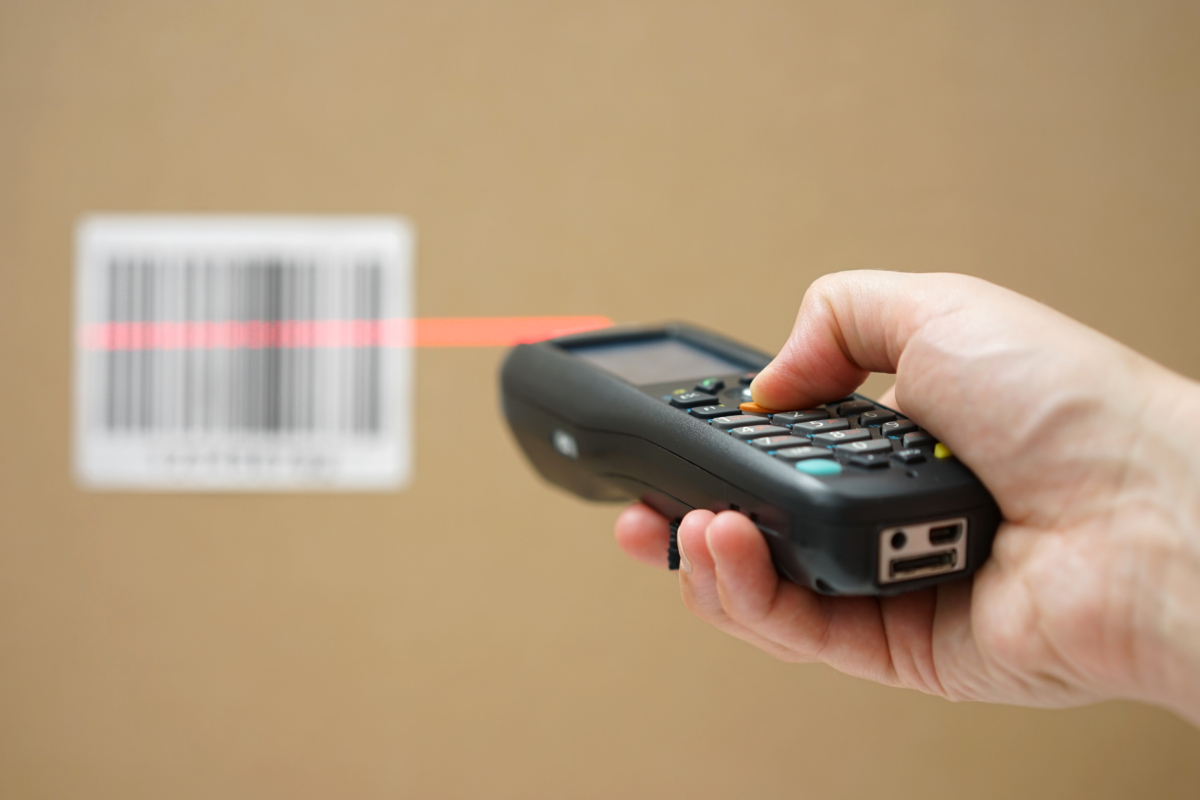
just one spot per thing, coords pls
(685, 566)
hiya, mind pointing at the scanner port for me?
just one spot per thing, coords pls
(922, 549)
(945, 534)
(907, 566)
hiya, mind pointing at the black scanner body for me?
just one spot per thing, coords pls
(603, 438)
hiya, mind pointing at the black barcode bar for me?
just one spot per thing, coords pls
(262, 389)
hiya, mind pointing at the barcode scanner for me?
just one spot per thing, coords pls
(852, 497)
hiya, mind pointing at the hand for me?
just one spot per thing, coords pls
(1092, 452)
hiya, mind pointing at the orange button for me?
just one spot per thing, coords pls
(755, 408)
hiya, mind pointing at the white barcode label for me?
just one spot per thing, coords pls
(243, 353)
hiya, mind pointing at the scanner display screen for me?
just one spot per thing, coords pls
(661, 360)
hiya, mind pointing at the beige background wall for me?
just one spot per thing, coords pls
(479, 635)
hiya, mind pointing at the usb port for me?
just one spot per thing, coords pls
(930, 563)
(945, 534)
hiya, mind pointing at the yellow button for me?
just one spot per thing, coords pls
(941, 451)
(755, 408)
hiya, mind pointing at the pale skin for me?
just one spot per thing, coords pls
(1091, 450)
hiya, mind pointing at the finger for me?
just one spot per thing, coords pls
(747, 583)
(644, 534)
(753, 595)
(698, 582)
(908, 623)
(849, 633)
(850, 324)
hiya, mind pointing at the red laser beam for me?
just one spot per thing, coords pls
(283, 334)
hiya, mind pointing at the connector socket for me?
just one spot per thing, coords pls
(922, 549)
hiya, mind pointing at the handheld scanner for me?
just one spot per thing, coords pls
(852, 497)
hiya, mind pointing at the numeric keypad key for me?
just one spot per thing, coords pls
(749, 432)
(793, 417)
(820, 426)
(834, 438)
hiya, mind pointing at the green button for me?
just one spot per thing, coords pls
(819, 466)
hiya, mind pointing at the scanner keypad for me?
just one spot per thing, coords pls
(820, 426)
(749, 432)
(876, 416)
(858, 434)
(778, 442)
(689, 399)
(738, 421)
(898, 428)
(856, 407)
(792, 417)
(712, 412)
(919, 439)
(803, 453)
(836, 438)
(866, 447)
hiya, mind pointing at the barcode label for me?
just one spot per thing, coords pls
(243, 353)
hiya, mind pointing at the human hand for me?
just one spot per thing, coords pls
(1092, 452)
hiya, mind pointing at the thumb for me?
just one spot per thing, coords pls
(850, 325)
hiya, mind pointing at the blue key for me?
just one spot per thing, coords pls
(819, 466)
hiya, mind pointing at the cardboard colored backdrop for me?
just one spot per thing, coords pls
(478, 634)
